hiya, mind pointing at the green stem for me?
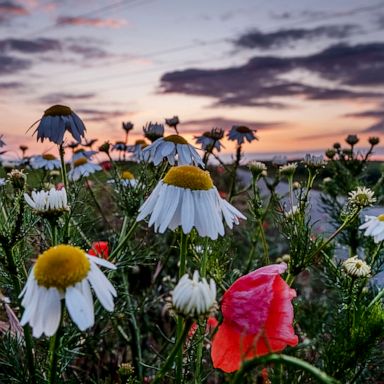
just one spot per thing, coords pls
(123, 241)
(234, 174)
(264, 243)
(201, 329)
(135, 331)
(63, 167)
(376, 299)
(319, 375)
(178, 347)
(53, 346)
(89, 187)
(179, 329)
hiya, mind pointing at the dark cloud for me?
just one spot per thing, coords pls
(259, 80)
(199, 125)
(39, 45)
(9, 9)
(284, 37)
(88, 51)
(90, 22)
(98, 115)
(370, 113)
(10, 65)
(10, 85)
(377, 127)
(65, 98)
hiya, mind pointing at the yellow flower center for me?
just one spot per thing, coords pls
(126, 175)
(142, 142)
(243, 129)
(358, 264)
(189, 177)
(80, 161)
(61, 266)
(381, 217)
(176, 139)
(58, 110)
(48, 156)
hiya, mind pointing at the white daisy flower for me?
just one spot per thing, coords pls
(65, 272)
(313, 161)
(361, 197)
(356, 268)
(175, 149)
(128, 179)
(194, 297)
(82, 168)
(374, 226)
(52, 201)
(187, 198)
(240, 133)
(257, 168)
(137, 150)
(79, 153)
(55, 121)
(288, 169)
(3, 181)
(46, 161)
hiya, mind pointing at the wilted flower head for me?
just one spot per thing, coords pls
(373, 140)
(279, 160)
(172, 122)
(2, 142)
(89, 143)
(313, 161)
(257, 168)
(48, 202)
(194, 297)
(119, 146)
(17, 178)
(352, 139)
(288, 169)
(55, 121)
(128, 126)
(105, 147)
(257, 318)
(153, 131)
(65, 272)
(361, 197)
(374, 226)
(187, 198)
(240, 133)
(210, 139)
(355, 267)
(330, 153)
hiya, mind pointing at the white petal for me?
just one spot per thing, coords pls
(78, 308)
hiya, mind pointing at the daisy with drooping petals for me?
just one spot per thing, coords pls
(65, 273)
(137, 150)
(52, 201)
(374, 226)
(79, 153)
(175, 149)
(240, 133)
(257, 318)
(46, 161)
(194, 297)
(211, 139)
(82, 168)
(128, 179)
(187, 198)
(55, 121)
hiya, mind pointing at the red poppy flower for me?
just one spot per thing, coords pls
(100, 249)
(257, 318)
(211, 325)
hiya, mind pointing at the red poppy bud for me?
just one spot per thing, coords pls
(100, 249)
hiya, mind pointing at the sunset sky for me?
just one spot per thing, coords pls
(303, 73)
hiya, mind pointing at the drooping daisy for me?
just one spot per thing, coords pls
(187, 198)
(240, 133)
(374, 226)
(210, 139)
(55, 121)
(82, 168)
(175, 149)
(355, 267)
(46, 161)
(52, 201)
(194, 297)
(137, 150)
(65, 272)
(313, 161)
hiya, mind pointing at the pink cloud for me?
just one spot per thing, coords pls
(10, 8)
(95, 22)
